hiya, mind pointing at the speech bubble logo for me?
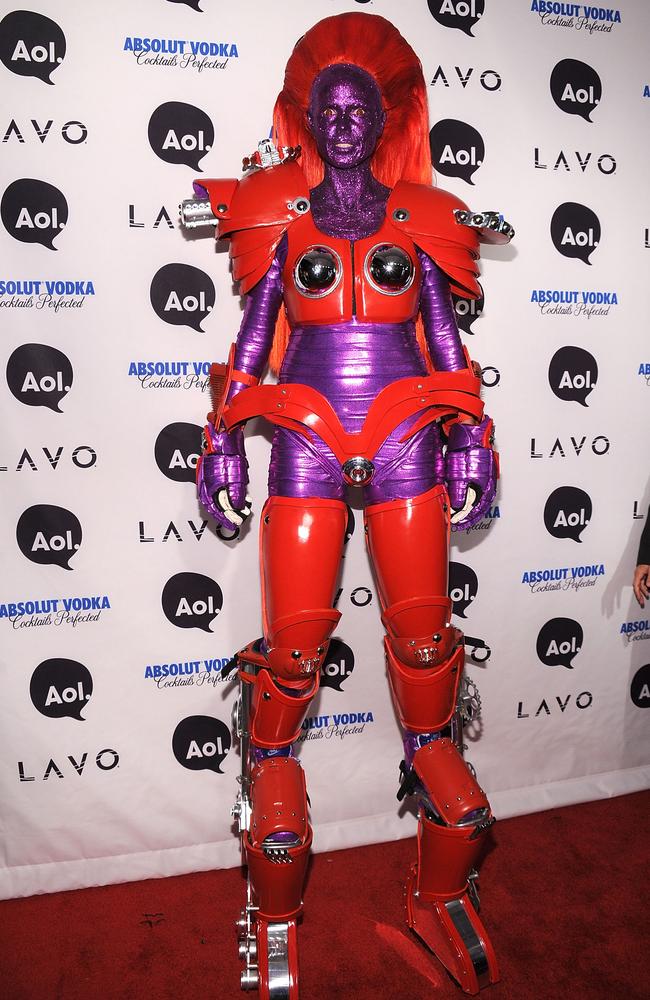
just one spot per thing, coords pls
(177, 451)
(575, 230)
(201, 742)
(640, 687)
(567, 512)
(461, 14)
(48, 535)
(576, 88)
(463, 587)
(457, 149)
(34, 211)
(572, 374)
(338, 665)
(61, 688)
(180, 133)
(559, 640)
(191, 600)
(468, 311)
(31, 44)
(182, 295)
(39, 375)
(194, 4)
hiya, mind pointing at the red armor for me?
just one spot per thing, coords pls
(327, 280)
(256, 211)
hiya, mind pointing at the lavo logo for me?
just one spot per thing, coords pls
(177, 451)
(489, 79)
(457, 149)
(73, 132)
(599, 446)
(338, 665)
(567, 512)
(48, 535)
(575, 230)
(558, 641)
(105, 760)
(572, 374)
(61, 688)
(461, 14)
(583, 700)
(31, 44)
(191, 600)
(201, 742)
(83, 457)
(606, 163)
(39, 375)
(163, 216)
(34, 211)
(576, 88)
(182, 295)
(180, 133)
(463, 587)
(468, 310)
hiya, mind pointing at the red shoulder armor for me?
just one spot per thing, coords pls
(255, 212)
(427, 215)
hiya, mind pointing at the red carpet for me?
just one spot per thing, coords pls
(565, 897)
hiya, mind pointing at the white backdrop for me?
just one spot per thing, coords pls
(95, 788)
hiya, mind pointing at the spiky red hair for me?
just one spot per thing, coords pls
(403, 152)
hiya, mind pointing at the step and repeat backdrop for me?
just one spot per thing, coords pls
(120, 606)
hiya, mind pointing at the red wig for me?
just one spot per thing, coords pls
(403, 151)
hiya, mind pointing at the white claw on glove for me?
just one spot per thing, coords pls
(470, 499)
(236, 517)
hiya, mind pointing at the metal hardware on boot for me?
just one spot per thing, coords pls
(250, 978)
(478, 818)
(481, 826)
(426, 654)
(358, 471)
(471, 940)
(469, 700)
(472, 889)
(278, 953)
(195, 212)
(278, 851)
(248, 949)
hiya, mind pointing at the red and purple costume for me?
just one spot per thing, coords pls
(362, 399)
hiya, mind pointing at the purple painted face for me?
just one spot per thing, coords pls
(345, 115)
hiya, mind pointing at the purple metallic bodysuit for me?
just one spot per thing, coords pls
(350, 363)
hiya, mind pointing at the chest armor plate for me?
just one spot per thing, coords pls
(329, 280)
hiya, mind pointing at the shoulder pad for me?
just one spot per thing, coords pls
(255, 212)
(427, 215)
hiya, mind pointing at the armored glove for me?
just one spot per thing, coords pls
(222, 477)
(472, 469)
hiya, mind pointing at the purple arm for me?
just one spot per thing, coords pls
(470, 460)
(440, 327)
(223, 465)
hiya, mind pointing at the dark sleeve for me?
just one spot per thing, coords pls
(643, 557)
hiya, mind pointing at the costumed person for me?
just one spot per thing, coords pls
(347, 256)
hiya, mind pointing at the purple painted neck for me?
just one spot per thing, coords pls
(349, 204)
